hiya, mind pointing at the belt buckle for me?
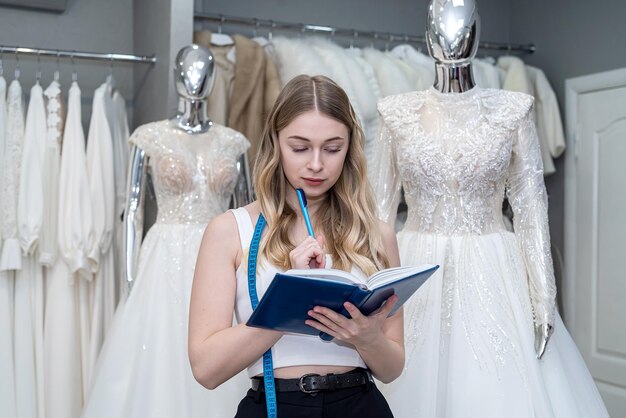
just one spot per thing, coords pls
(301, 383)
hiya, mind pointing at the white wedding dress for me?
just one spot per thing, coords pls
(7, 282)
(143, 369)
(469, 332)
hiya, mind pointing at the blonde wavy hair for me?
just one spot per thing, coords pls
(348, 216)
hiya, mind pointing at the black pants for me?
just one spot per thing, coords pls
(357, 402)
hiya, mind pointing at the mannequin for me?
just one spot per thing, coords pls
(476, 335)
(194, 79)
(453, 52)
(198, 168)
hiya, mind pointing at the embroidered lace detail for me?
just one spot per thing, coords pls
(12, 157)
(456, 156)
(48, 247)
(194, 175)
(55, 120)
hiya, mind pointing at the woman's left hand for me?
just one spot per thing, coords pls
(359, 330)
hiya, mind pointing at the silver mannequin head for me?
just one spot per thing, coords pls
(194, 76)
(452, 31)
(193, 72)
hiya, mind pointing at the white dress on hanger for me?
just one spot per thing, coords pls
(29, 281)
(100, 172)
(48, 247)
(143, 369)
(7, 383)
(340, 66)
(391, 78)
(549, 123)
(421, 62)
(30, 200)
(370, 90)
(48, 242)
(68, 281)
(118, 122)
(486, 74)
(11, 258)
(469, 332)
(294, 57)
(420, 80)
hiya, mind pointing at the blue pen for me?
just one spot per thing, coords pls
(305, 212)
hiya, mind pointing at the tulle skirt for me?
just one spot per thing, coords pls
(469, 339)
(143, 369)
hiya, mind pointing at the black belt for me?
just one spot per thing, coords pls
(311, 383)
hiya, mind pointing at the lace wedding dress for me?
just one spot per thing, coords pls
(469, 333)
(143, 369)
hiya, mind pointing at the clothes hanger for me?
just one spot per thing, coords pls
(261, 40)
(74, 72)
(389, 41)
(355, 36)
(57, 72)
(219, 38)
(38, 72)
(17, 72)
(401, 51)
(110, 80)
(373, 41)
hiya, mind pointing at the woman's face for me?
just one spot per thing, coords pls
(313, 148)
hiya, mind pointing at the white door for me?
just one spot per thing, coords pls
(594, 285)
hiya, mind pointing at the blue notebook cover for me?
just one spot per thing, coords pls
(289, 297)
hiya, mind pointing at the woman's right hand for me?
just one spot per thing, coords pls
(309, 254)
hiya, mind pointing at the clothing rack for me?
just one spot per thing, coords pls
(96, 56)
(354, 33)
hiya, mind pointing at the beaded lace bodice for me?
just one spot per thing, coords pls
(452, 153)
(194, 175)
(456, 155)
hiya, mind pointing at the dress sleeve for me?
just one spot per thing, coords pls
(30, 200)
(384, 176)
(527, 194)
(75, 227)
(101, 180)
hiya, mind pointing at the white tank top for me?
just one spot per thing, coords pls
(291, 349)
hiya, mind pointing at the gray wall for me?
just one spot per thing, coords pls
(573, 38)
(161, 27)
(397, 16)
(87, 25)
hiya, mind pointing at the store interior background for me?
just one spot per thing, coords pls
(572, 38)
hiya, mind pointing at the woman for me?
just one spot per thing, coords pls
(312, 141)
